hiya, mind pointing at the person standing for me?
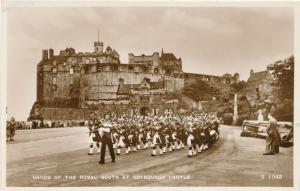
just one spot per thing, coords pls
(273, 137)
(94, 136)
(11, 129)
(106, 137)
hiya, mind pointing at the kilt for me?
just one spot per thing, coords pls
(156, 139)
(190, 140)
(121, 142)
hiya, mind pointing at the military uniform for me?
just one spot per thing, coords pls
(149, 138)
(94, 137)
(121, 142)
(156, 142)
(190, 143)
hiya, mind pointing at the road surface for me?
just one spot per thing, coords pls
(58, 157)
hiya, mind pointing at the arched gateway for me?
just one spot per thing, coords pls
(144, 111)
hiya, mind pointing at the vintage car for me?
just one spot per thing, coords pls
(252, 128)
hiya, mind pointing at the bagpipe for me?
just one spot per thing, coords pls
(94, 132)
(99, 135)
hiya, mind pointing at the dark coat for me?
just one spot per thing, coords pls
(273, 138)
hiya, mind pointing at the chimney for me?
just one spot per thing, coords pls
(51, 53)
(45, 55)
(251, 72)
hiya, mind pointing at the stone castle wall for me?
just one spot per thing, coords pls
(63, 84)
(104, 85)
(220, 82)
(55, 113)
(261, 88)
(144, 59)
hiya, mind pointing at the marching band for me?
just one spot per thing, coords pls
(124, 134)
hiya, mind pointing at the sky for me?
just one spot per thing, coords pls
(210, 40)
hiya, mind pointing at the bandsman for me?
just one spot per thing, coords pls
(156, 142)
(94, 137)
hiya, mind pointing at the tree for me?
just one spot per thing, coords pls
(284, 73)
(240, 86)
(200, 90)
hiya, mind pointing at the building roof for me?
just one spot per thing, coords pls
(168, 56)
(227, 75)
(157, 85)
(124, 89)
(257, 76)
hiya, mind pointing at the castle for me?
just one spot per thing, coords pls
(71, 85)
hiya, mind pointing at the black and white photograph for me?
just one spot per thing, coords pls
(148, 96)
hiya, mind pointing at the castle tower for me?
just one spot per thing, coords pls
(236, 77)
(98, 46)
(45, 55)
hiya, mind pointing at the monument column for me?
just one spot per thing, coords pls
(235, 110)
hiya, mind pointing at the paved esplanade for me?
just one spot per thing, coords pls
(39, 155)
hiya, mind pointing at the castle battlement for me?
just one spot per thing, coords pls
(127, 68)
(225, 79)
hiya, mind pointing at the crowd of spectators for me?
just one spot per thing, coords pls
(41, 124)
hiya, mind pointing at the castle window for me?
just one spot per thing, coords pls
(130, 68)
(101, 60)
(87, 61)
(54, 80)
(71, 80)
(41, 82)
(168, 72)
(54, 70)
(86, 70)
(136, 69)
(54, 63)
(71, 71)
(41, 78)
(94, 68)
(145, 70)
(121, 68)
(115, 68)
(156, 70)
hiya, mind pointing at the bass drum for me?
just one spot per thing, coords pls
(214, 136)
